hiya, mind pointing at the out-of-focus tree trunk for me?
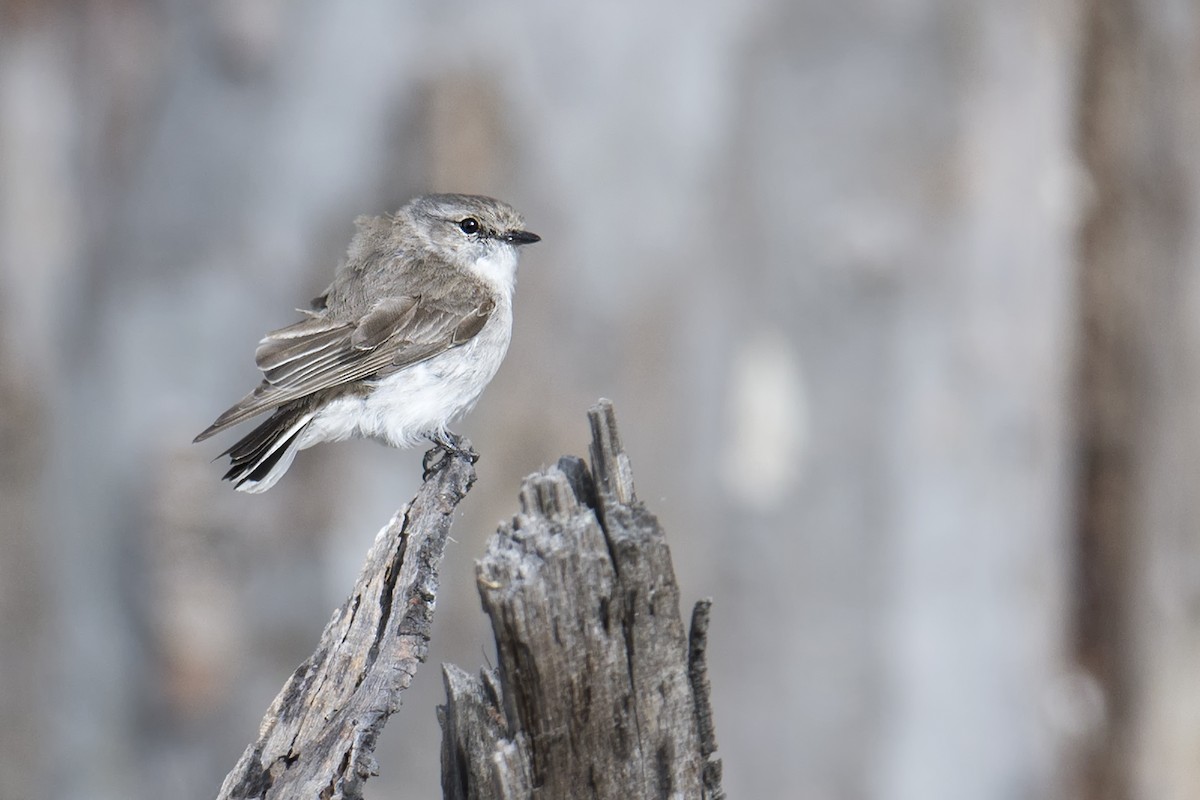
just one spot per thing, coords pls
(38, 248)
(24, 594)
(1138, 613)
(920, 315)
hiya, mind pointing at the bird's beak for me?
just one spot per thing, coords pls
(520, 237)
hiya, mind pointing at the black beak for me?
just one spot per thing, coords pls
(521, 237)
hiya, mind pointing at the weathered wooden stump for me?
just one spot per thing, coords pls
(598, 692)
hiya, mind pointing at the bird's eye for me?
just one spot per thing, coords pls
(469, 225)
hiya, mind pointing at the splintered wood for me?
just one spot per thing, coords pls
(598, 692)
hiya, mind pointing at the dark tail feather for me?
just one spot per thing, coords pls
(260, 459)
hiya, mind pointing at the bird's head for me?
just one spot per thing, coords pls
(478, 233)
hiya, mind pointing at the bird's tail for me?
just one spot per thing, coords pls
(260, 459)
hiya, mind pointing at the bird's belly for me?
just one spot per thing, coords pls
(424, 398)
(403, 407)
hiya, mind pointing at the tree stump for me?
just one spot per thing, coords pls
(598, 693)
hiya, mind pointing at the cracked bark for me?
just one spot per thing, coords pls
(318, 736)
(599, 690)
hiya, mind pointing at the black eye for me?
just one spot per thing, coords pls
(469, 225)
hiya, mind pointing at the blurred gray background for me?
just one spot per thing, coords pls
(898, 302)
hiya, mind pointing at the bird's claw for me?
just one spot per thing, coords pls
(445, 445)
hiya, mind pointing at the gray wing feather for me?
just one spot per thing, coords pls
(318, 353)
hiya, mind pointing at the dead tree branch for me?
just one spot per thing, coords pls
(317, 738)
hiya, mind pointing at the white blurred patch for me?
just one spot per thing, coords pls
(768, 424)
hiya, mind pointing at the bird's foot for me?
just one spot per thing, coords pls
(445, 446)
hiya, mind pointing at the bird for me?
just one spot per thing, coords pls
(414, 325)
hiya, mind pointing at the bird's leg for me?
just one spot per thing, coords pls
(445, 444)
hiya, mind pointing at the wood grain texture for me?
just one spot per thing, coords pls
(318, 736)
(598, 691)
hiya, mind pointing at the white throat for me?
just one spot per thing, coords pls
(498, 268)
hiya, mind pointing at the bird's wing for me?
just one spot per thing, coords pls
(320, 353)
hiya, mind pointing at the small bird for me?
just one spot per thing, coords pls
(402, 343)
